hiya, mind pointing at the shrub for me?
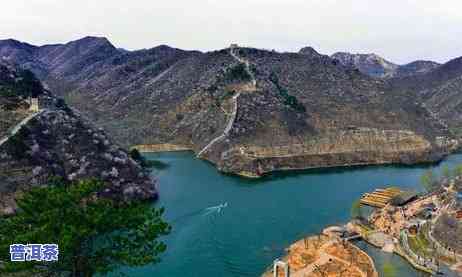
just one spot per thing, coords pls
(29, 85)
(136, 155)
(428, 181)
(24, 85)
(288, 100)
(238, 72)
(17, 144)
(179, 116)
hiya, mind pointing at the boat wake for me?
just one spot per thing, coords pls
(215, 209)
(207, 211)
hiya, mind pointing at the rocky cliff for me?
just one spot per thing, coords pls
(247, 110)
(57, 141)
(359, 147)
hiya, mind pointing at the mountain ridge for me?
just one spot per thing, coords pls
(304, 103)
(440, 90)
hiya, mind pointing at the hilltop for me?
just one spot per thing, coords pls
(57, 142)
(378, 67)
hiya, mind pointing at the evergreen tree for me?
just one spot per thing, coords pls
(428, 180)
(356, 211)
(457, 171)
(446, 172)
(94, 235)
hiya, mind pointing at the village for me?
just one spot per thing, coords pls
(423, 228)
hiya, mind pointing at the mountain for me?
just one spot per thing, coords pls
(369, 64)
(56, 141)
(415, 68)
(309, 51)
(440, 90)
(376, 66)
(57, 60)
(246, 110)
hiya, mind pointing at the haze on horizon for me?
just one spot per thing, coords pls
(398, 30)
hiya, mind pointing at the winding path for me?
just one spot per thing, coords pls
(235, 98)
(19, 126)
(439, 247)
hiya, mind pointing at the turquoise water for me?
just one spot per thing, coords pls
(262, 217)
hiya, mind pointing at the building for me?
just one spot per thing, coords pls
(403, 198)
(278, 263)
(34, 105)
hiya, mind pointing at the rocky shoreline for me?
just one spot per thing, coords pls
(365, 147)
(164, 147)
(355, 148)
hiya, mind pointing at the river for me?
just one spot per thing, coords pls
(227, 226)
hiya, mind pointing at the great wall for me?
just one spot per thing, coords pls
(235, 101)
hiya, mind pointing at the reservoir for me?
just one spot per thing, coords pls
(228, 226)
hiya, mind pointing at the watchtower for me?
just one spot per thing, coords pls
(278, 263)
(33, 105)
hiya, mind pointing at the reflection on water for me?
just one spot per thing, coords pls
(225, 225)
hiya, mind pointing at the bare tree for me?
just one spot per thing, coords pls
(344, 270)
(321, 271)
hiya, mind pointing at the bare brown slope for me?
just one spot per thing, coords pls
(440, 91)
(305, 111)
(348, 118)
